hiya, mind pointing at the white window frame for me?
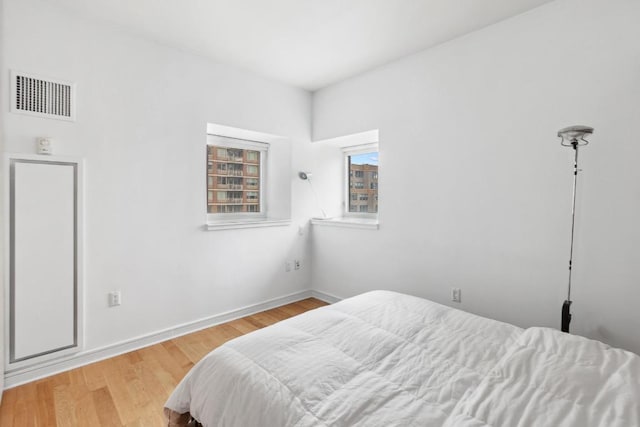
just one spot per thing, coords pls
(275, 196)
(351, 151)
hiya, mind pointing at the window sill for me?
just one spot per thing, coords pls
(361, 223)
(236, 224)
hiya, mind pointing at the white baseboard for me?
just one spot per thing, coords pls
(24, 375)
(322, 296)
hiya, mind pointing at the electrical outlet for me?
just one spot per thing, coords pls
(297, 264)
(287, 266)
(115, 298)
(456, 295)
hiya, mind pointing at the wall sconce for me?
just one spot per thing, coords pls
(306, 176)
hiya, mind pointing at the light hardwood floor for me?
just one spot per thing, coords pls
(127, 390)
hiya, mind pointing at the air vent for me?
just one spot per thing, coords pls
(40, 97)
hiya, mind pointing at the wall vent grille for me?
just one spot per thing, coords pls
(42, 97)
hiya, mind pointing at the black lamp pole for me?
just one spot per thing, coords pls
(573, 137)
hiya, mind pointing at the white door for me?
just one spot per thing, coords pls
(44, 260)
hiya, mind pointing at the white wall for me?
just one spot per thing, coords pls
(2, 207)
(469, 125)
(142, 110)
(475, 187)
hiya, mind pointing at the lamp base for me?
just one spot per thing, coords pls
(566, 315)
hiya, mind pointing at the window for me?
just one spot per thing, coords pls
(234, 176)
(251, 183)
(248, 179)
(362, 180)
(228, 209)
(359, 155)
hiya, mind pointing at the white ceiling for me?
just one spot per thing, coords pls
(305, 43)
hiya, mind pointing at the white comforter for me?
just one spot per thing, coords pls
(549, 378)
(387, 359)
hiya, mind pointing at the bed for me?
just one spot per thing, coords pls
(389, 359)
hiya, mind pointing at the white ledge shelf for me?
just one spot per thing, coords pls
(361, 223)
(231, 225)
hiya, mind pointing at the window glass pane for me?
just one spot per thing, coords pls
(363, 182)
(251, 183)
(233, 185)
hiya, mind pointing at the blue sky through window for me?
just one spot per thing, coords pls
(365, 159)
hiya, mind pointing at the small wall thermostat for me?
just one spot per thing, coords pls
(45, 146)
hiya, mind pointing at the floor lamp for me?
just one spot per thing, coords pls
(574, 137)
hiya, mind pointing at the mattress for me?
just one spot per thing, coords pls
(388, 359)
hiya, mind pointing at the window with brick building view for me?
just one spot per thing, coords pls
(363, 183)
(233, 180)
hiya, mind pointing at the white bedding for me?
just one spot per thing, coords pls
(388, 359)
(378, 359)
(549, 378)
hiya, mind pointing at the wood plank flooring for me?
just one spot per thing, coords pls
(131, 389)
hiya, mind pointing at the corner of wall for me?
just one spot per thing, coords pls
(4, 89)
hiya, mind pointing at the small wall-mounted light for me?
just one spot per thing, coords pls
(304, 175)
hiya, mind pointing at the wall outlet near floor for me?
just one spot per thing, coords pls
(115, 298)
(456, 295)
(297, 264)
